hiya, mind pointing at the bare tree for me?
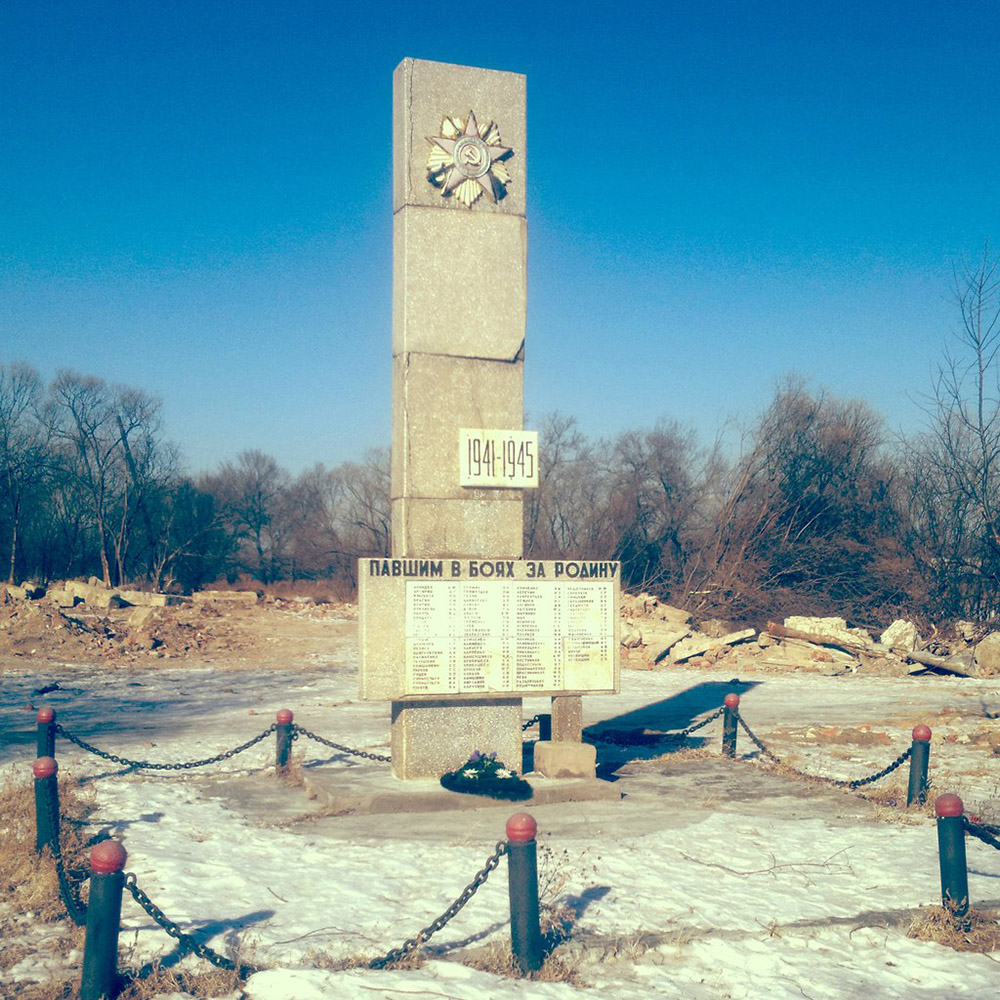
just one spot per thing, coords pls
(810, 518)
(567, 514)
(23, 448)
(250, 495)
(955, 465)
(111, 450)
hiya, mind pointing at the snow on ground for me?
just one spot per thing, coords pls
(789, 893)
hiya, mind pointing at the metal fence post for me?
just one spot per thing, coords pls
(522, 873)
(104, 913)
(545, 726)
(732, 712)
(46, 805)
(920, 752)
(951, 854)
(46, 732)
(283, 745)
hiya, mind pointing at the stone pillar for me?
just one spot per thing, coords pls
(566, 755)
(567, 718)
(459, 300)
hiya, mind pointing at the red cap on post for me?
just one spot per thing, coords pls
(107, 857)
(44, 767)
(922, 734)
(285, 716)
(731, 700)
(521, 828)
(948, 804)
(46, 713)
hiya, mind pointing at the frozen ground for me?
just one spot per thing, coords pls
(706, 880)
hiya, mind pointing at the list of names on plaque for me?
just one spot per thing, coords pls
(467, 637)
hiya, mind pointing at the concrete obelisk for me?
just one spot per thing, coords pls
(459, 302)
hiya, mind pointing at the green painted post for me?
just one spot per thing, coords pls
(522, 874)
(951, 855)
(46, 804)
(920, 752)
(729, 720)
(283, 748)
(46, 732)
(104, 914)
(545, 726)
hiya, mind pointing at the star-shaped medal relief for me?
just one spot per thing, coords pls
(466, 161)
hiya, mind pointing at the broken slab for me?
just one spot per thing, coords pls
(698, 644)
(225, 597)
(832, 628)
(901, 634)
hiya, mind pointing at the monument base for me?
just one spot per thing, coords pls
(565, 760)
(429, 738)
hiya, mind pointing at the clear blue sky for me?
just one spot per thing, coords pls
(195, 200)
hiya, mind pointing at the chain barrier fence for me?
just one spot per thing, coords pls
(69, 888)
(186, 941)
(77, 909)
(298, 731)
(674, 737)
(154, 766)
(983, 832)
(393, 956)
(101, 980)
(856, 783)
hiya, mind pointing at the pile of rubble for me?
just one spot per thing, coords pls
(71, 621)
(657, 634)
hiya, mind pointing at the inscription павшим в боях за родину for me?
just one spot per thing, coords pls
(479, 626)
(499, 569)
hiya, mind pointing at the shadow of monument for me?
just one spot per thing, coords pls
(636, 735)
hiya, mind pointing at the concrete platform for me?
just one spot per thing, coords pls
(367, 790)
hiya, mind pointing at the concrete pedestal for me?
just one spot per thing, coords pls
(565, 760)
(432, 737)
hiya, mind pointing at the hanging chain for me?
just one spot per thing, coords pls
(533, 721)
(299, 731)
(684, 733)
(185, 940)
(857, 783)
(68, 888)
(390, 958)
(981, 832)
(898, 762)
(756, 741)
(150, 766)
(657, 737)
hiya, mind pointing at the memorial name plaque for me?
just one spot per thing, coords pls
(498, 459)
(494, 627)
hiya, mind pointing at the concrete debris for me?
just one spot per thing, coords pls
(695, 645)
(225, 597)
(986, 662)
(836, 628)
(901, 634)
(824, 644)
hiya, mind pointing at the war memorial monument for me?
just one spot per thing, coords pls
(456, 627)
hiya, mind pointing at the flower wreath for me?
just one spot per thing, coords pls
(483, 774)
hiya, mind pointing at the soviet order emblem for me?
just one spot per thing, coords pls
(466, 160)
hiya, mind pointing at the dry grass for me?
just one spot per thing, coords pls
(28, 882)
(294, 776)
(979, 931)
(29, 888)
(50, 990)
(497, 958)
(203, 982)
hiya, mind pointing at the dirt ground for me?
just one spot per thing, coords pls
(224, 634)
